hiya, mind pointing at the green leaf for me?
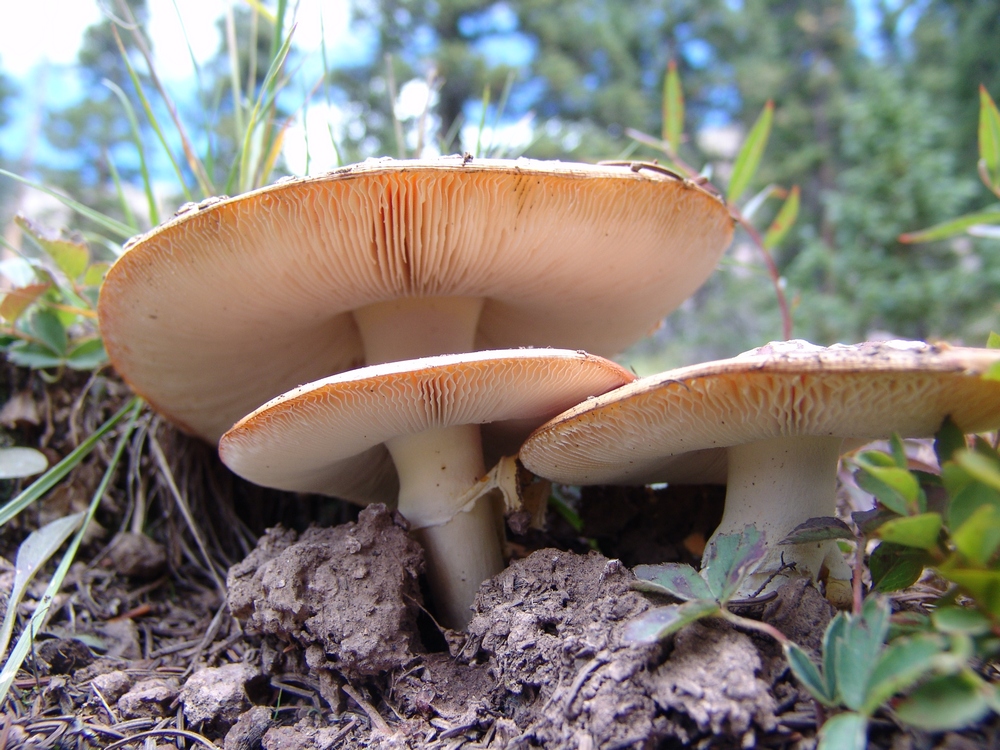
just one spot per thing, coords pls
(95, 274)
(820, 529)
(868, 521)
(30, 354)
(902, 663)
(729, 558)
(70, 257)
(784, 221)
(967, 494)
(673, 108)
(946, 702)
(993, 340)
(832, 636)
(899, 457)
(894, 567)
(989, 137)
(979, 537)
(965, 620)
(895, 488)
(921, 531)
(807, 673)
(948, 439)
(19, 462)
(857, 651)
(657, 623)
(675, 579)
(750, 154)
(982, 585)
(951, 228)
(47, 328)
(846, 731)
(88, 355)
(992, 372)
(980, 467)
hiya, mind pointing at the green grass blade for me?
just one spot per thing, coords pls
(234, 68)
(38, 617)
(989, 138)
(482, 120)
(750, 154)
(53, 476)
(951, 228)
(326, 87)
(112, 225)
(147, 184)
(673, 108)
(508, 84)
(151, 117)
(783, 222)
(397, 126)
(120, 192)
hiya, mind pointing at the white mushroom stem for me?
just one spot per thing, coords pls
(436, 468)
(775, 485)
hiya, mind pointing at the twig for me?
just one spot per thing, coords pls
(368, 708)
(163, 733)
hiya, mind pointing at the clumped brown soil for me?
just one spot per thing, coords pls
(192, 620)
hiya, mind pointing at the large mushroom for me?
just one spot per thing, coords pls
(329, 435)
(771, 423)
(238, 300)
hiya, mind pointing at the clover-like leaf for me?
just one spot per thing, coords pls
(942, 703)
(921, 531)
(902, 664)
(729, 558)
(657, 623)
(846, 731)
(807, 673)
(965, 620)
(675, 579)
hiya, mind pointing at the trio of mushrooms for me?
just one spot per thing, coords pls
(378, 314)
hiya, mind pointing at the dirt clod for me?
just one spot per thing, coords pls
(112, 685)
(347, 594)
(216, 696)
(148, 699)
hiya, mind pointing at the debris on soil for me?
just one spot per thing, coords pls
(347, 594)
(149, 698)
(216, 696)
(136, 556)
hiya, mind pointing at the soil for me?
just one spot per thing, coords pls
(229, 631)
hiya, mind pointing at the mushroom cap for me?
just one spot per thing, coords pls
(237, 300)
(327, 437)
(675, 426)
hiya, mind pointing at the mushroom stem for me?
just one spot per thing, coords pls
(436, 468)
(776, 484)
(414, 327)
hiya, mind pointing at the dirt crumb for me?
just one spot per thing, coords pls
(347, 595)
(216, 696)
(149, 699)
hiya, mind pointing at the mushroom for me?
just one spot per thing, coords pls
(238, 300)
(331, 435)
(772, 420)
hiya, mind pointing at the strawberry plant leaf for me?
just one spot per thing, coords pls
(921, 531)
(657, 623)
(942, 703)
(903, 662)
(807, 673)
(846, 731)
(729, 558)
(964, 620)
(978, 538)
(681, 581)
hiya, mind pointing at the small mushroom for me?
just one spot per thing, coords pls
(773, 421)
(336, 436)
(222, 308)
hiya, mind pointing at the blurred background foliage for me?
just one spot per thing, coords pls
(876, 107)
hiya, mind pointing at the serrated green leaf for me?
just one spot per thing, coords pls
(979, 537)
(807, 673)
(946, 702)
(675, 579)
(784, 221)
(982, 468)
(30, 354)
(951, 228)
(820, 529)
(921, 531)
(70, 256)
(19, 462)
(901, 665)
(965, 620)
(729, 558)
(673, 108)
(846, 731)
(989, 137)
(88, 355)
(993, 340)
(894, 567)
(857, 651)
(750, 154)
(948, 439)
(657, 623)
